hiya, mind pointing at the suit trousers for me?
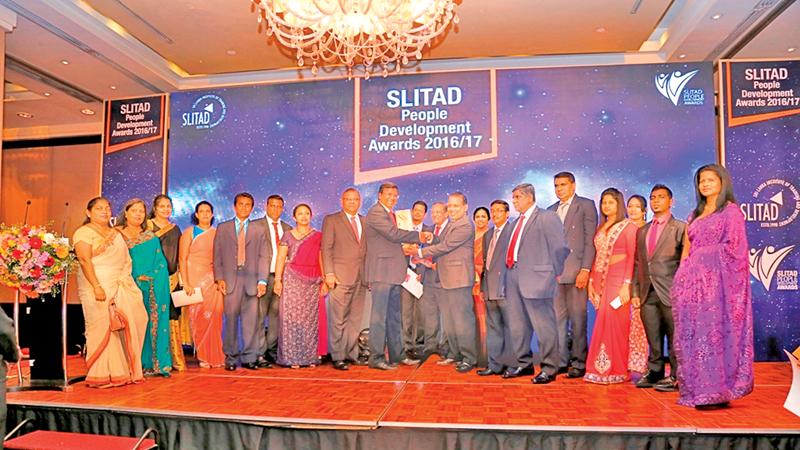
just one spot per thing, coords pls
(432, 304)
(657, 321)
(385, 323)
(497, 334)
(411, 312)
(346, 309)
(570, 307)
(526, 315)
(268, 308)
(458, 318)
(241, 309)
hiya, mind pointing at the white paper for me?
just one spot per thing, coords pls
(411, 284)
(792, 402)
(179, 298)
(616, 303)
(404, 221)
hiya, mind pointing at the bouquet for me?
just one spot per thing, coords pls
(33, 259)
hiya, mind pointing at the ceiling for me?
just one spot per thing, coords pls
(123, 48)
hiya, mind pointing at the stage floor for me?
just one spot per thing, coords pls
(428, 396)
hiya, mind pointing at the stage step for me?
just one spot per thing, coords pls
(59, 440)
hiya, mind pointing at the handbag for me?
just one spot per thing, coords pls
(116, 322)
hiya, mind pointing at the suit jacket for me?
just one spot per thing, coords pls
(454, 254)
(263, 222)
(580, 225)
(9, 351)
(490, 278)
(542, 252)
(342, 253)
(659, 270)
(385, 262)
(257, 259)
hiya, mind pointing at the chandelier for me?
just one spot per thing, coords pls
(374, 33)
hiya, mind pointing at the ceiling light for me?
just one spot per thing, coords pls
(87, 112)
(791, 49)
(600, 30)
(682, 55)
(113, 88)
(25, 115)
(64, 62)
(375, 33)
(46, 94)
(231, 52)
(716, 16)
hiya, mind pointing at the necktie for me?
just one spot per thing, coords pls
(240, 244)
(355, 228)
(652, 238)
(275, 227)
(436, 230)
(490, 250)
(394, 218)
(562, 208)
(513, 244)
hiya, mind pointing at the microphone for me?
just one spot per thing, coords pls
(27, 206)
(66, 217)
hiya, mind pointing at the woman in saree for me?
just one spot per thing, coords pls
(480, 217)
(197, 271)
(637, 361)
(150, 273)
(114, 358)
(609, 292)
(169, 235)
(711, 298)
(298, 282)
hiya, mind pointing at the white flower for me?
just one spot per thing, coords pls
(64, 241)
(49, 238)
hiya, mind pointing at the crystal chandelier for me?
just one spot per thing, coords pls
(375, 33)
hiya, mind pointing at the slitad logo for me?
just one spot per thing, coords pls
(775, 203)
(671, 85)
(207, 112)
(764, 263)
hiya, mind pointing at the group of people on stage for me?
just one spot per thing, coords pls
(489, 285)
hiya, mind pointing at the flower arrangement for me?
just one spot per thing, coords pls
(33, 259)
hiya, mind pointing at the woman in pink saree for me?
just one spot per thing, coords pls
(196, 255)
(114, 358)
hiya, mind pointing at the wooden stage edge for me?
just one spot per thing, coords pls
(425, 397)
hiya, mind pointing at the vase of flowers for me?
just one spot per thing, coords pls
(33, 259)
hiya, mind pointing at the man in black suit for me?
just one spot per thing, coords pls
(497, 334)
(579, 216)
(659, 245)
(411, 309)
(9, 351)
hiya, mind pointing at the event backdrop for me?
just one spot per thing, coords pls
(761, 118)
(483, 131)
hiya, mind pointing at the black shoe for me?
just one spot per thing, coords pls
(463, 367)
(410, 362)
(486, 372)
(263, 363)
(649, 379)
(360, 362)
(668, 384)
(383, 365)
(543, 378)
(712, 406)
(574, 372)
(340, 365)
(514, 372)
(251, 365)
(562, 370)
(230, 367)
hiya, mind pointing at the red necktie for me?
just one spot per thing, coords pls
(275, 227)
(355, 228)
(394, 218)
(652, 239)
(513, 244)
(436, 230)
(240, 245)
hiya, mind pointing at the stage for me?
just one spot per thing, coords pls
(429, 406)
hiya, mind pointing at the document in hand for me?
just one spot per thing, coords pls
(792, 402)
(411, 284)
(616, 303)
(179, 298)
(404, 221)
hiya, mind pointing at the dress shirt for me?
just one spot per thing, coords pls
(661, 223)
(527, 216)
(563, 208)
(272, 240)
(350, 217)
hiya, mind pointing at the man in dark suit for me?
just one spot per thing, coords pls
(433, 301)
(659, 245)
(495, 241)
(344, 248)
(534, 257)
(455, 269)
(240, 270)
(385, 271)
(268, 304)
(9, 352)
(411, 310)
(579, 216)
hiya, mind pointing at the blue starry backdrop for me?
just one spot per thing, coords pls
(763, 161)
(134, 172)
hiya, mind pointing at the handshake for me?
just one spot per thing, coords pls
(410, 249)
